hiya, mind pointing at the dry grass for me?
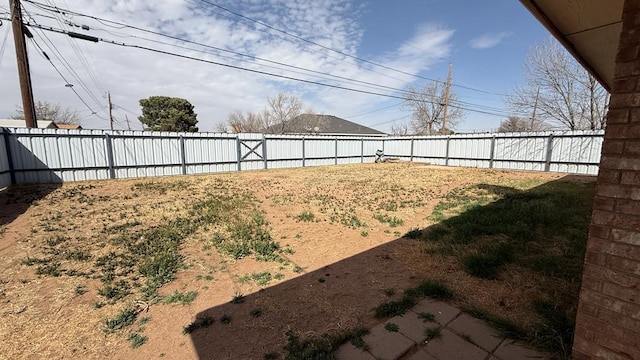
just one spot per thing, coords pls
(344, 201)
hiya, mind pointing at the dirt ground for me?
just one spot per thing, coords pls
(333, 278)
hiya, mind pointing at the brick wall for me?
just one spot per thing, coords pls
(608, 321)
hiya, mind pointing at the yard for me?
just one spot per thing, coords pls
(242, 265)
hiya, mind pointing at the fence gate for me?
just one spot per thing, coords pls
(252, 149)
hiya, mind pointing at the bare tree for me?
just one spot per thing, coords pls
(239, 122)
(400, 129)
(428, 106)
(275, 118)
(568, 95)
(280, 109)
(514, 124)
(52, 112)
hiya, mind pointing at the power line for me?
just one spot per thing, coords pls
(66, 64)
(376, 110)
(76, 48)
(56, 9)
(96, 39)
(364, 83)
(44, 54)
(123, 25)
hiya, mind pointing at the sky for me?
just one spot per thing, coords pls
(353, 46)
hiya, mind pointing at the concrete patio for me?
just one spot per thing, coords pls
(461, 337)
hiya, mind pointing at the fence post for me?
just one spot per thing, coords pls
(239, 150)
(336, 151)
(547, 163)
(446, 154)
(264, 150)
(112, 171)
(183, 156)
(411, 154)
(303, 153)
(492, 151)
(361, 150)
(7, 146)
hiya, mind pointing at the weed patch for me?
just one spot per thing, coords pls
(392, 221)
(136, 340)
(322, 347)
(411, 296)
(123, 319)
(182, 298)
(306, 216)
(203, 321)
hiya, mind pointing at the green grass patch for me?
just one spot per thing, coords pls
(324, 346)
(427, 317)
(262, 278)
(411, 296)
(432, 333)
(392, 221)
(179, 297)
(201, 321)
(391, 327)
(123, 319)
(306, 216)
(136, 340)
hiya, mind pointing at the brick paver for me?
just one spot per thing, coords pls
(386, 345)
(350, 352)
(444, 313)
(421, 355)
(480, 334)
(462, 337)
(412, 326)
(452, 347)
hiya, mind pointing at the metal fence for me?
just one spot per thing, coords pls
(55, 155)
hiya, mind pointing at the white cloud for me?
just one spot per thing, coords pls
(488, 40)
(131, 74)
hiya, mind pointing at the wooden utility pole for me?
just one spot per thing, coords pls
(446, 101)
(128, 124)
(24, 73)
(535, 107)
(110, 112)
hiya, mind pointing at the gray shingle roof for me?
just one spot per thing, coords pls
(322, 124)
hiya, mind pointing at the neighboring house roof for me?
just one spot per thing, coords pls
(321, 124)
(69, 126)
(590, 30)
(13, 123)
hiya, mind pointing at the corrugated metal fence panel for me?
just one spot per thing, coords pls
(369, 147)
(5, 175)
(284, 151)
(34, 156)
(430, 149)
(54, 155)
(349, 150)
(210, 153)
(398, 147)
(520, 151)
(141, 154)
(470, 150)
(576, 152)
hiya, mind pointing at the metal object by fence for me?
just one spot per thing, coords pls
(54, 155)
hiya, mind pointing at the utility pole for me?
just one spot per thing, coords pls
(110, 112)
(535, 107)
(24, 73)
(128, 124)
(446, 100)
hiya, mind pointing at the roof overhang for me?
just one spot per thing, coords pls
(589, 29)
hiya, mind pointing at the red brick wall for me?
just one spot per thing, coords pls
(608, 322)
